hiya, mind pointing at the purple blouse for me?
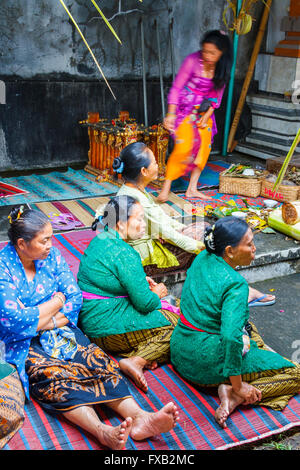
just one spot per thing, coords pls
(190, 88)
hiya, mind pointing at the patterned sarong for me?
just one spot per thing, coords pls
(90, 378)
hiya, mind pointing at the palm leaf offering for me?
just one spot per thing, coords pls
(255, 216)
(286, 162)
(242, 171)
(88, 47)
(106, 21)
(242, 23)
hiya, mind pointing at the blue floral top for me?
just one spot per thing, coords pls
(19, 325)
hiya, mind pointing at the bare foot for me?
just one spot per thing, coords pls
(147, 425)
(151, 365)
(133, 367)
(229, 401)
(162, 197)
(115, 437)
(197, 194)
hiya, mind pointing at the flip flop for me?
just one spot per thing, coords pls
(258, 302)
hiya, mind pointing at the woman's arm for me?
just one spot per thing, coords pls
(51, 309)
(159, 227)
(132, 277)
(67, 285)
(182, 77)
(233, 318)
(48, 310)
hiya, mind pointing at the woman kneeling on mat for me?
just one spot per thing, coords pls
(122, 309)
(167, 244)
(57, 364)
(213, 343)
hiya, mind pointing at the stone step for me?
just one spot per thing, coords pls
(258, 150)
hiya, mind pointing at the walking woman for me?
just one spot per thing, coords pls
(195, 94)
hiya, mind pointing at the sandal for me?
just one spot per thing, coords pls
(258, 302)
(63, 221)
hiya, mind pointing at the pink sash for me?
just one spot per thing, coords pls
(164, 304)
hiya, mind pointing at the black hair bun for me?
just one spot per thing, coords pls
(117, 163)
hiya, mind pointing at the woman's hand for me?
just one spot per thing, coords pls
(151, 282)
(169, 122)
(202, 123)
(249, 393)
(160, 290)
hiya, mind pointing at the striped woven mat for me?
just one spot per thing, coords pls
(218, 199)
(56, 185)
(196, 428)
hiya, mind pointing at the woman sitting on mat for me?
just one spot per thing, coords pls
(213, 344)
(122, 309)
(167, 244)
(195, 94)
(57, 364)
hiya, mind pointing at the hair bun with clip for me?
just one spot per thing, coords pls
(15, 214)
(118, 165)
(209, 238)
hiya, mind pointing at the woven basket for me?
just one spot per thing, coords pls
(242, 186)
(283, 194)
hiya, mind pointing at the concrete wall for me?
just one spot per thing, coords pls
(52, 82)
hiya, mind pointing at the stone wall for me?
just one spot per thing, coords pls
(51, 81)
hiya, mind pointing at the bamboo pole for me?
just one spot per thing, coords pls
(231, 84)
(88, 47)
(287, 160)
(249, 75)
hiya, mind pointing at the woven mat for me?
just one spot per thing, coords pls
(209, 177)
(56, 186)
(83, 210)
(196, 428)
(216, 199)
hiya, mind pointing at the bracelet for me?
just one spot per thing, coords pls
(171, 114)
(59, 295)
(54, 322)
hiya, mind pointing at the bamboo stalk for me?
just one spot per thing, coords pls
(106, 21)
(231, 84)
(249, 75)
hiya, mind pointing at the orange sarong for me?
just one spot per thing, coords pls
(192, 148)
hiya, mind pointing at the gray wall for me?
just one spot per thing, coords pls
(52, 82)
